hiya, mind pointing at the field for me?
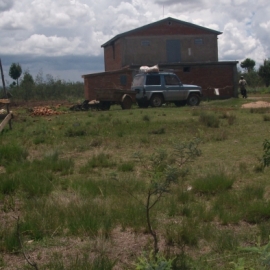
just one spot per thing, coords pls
(101, 189)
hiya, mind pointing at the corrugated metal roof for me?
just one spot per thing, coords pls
(158, 22)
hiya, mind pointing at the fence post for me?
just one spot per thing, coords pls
(5, 92)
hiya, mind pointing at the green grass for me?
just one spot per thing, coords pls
(83, 178)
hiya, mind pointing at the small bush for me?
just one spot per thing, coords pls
(209, 119)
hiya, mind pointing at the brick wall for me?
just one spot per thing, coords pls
(106, 80)
(128, 50)
(113, 56)
(208, 76)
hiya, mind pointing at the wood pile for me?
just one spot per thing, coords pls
(43, 111)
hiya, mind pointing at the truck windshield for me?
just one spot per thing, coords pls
(138, 81)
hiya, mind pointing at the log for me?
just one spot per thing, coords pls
(5, 101)
(5, 121)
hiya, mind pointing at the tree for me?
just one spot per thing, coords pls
(27, 84)
(264, 72)
(248, 64)
(15, 71)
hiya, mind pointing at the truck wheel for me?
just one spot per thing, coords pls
(156, 101)
(126, 103)
(143, 104)
(180, 103)
(193, 100)
(104, 105)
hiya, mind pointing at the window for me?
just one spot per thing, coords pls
(171, 80)
(198, 41)
(123, 79)
(186, 69)
(152, 80)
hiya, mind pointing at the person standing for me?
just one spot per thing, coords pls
(242, 84)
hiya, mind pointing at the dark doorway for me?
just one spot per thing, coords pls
(173, 48)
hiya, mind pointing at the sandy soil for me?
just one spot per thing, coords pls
(257, 104)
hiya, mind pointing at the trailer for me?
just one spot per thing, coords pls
(106, 97)
(111, 96)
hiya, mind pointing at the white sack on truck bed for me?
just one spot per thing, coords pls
(145, 69)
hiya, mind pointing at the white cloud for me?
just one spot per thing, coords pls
(5, 4)
(80, 27)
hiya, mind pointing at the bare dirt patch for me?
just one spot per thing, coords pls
(257, 104)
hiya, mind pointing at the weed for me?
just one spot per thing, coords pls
(257, 211)
(96, 143)
(225, 241)
(209, 119)
(8, 184)
(152, 261)
(97, 161)
(260, 110)
(126, 167)
(146, 118)
(158, 131)
(12, 153)
(266, 117)
(75, 131)
(266, 155)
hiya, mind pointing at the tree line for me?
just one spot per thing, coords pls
(255, 78)
(25, 87)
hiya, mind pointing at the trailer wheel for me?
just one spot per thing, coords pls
(126, 102)
(104, 105)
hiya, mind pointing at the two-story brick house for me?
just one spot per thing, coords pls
(190, 50)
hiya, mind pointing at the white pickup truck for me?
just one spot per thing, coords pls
(156, 88)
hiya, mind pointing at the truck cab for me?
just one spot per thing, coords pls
(156, 88)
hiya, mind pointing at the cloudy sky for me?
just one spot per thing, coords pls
(63, 38)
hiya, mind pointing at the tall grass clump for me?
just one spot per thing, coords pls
(209, 119)
(80, 262)
(257, 211)
(213, 183)
(8, 185)
(12, 153)
(101, 160)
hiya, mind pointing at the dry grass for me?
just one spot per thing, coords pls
(185, 221)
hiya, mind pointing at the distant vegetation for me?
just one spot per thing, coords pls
(48, 88)
(25, 87)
